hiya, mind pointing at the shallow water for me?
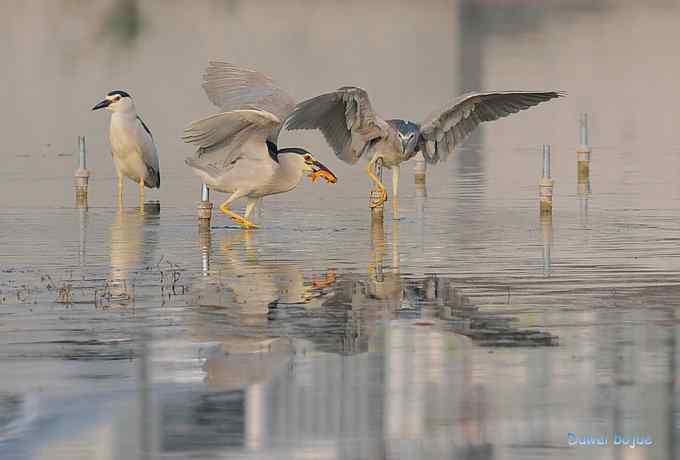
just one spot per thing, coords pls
(470, 328)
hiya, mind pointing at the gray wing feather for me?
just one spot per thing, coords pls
(230, 87)
(345, 117)
(445, 129)
(220, 137)
(149, 155)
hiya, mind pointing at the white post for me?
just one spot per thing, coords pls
(546, 184)
(82, 175)
(583, 151)
(420, 169)
(205, 207)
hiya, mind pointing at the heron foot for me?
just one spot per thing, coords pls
(245, 223)
(240, 220)
(379, 200)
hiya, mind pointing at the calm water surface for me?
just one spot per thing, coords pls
(471, 328)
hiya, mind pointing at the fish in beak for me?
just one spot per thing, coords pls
(319, 170)
(103, 104)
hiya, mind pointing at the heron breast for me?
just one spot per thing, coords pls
(390, 154)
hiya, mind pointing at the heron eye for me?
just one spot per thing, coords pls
(116, 99)
(308, 158)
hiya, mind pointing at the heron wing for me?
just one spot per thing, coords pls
(230, 87)
(442, 131)
(220, 137)
(346, 119)
(149, 155)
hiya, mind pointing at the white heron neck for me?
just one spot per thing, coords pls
(130, 113)
(289, 173)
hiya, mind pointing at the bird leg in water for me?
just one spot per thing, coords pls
(395, 187)
(376, 181)
(120, 191)
(250, 206)
(141, 193)
(240, 220)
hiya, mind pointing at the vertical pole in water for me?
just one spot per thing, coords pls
(547, 234)
(82, 175)
(377, 212)
(205, 207)
(583, 151)
(420, 169)
(205, 239)
(546, 184)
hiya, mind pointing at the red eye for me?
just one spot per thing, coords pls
(308, 158)
(116, 99)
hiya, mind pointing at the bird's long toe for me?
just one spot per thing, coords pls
(382, 198)
(244, 223)
(248, 225)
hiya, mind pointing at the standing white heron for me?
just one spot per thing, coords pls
(352, 129)
(237, 149)
(132, 146)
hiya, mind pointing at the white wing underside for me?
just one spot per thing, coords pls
(230, 88)
(230, 139)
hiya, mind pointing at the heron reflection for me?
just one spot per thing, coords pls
(241, 283)
(133, 242)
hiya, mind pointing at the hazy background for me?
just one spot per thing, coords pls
(614, 58)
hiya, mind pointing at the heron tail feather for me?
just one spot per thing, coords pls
(153, 178)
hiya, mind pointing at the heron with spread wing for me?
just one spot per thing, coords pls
(237, 148)
(353, 130)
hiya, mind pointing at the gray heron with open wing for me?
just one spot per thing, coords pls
(353, 129)
(237, 148)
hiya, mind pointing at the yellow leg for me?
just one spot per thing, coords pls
(376, 181)
(250, 206)
(240, 220)
(120, 191)
(141, 192)
(395, 189)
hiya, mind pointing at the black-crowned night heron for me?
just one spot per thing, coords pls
(353, 129)
(237, 149)
(132, 146)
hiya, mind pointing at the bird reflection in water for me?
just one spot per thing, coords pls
(133, 242)
(239, 285)
(275, 332)
(242, 294)
(381, 284)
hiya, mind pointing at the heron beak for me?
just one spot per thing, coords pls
(102, 104)
(319, 170)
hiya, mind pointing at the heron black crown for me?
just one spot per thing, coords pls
(274, 151)
(118, 92)
(298, 150)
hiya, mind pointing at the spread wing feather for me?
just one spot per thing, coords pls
(234, 88)
(447, 128)
(346, 119)
(220, 137)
